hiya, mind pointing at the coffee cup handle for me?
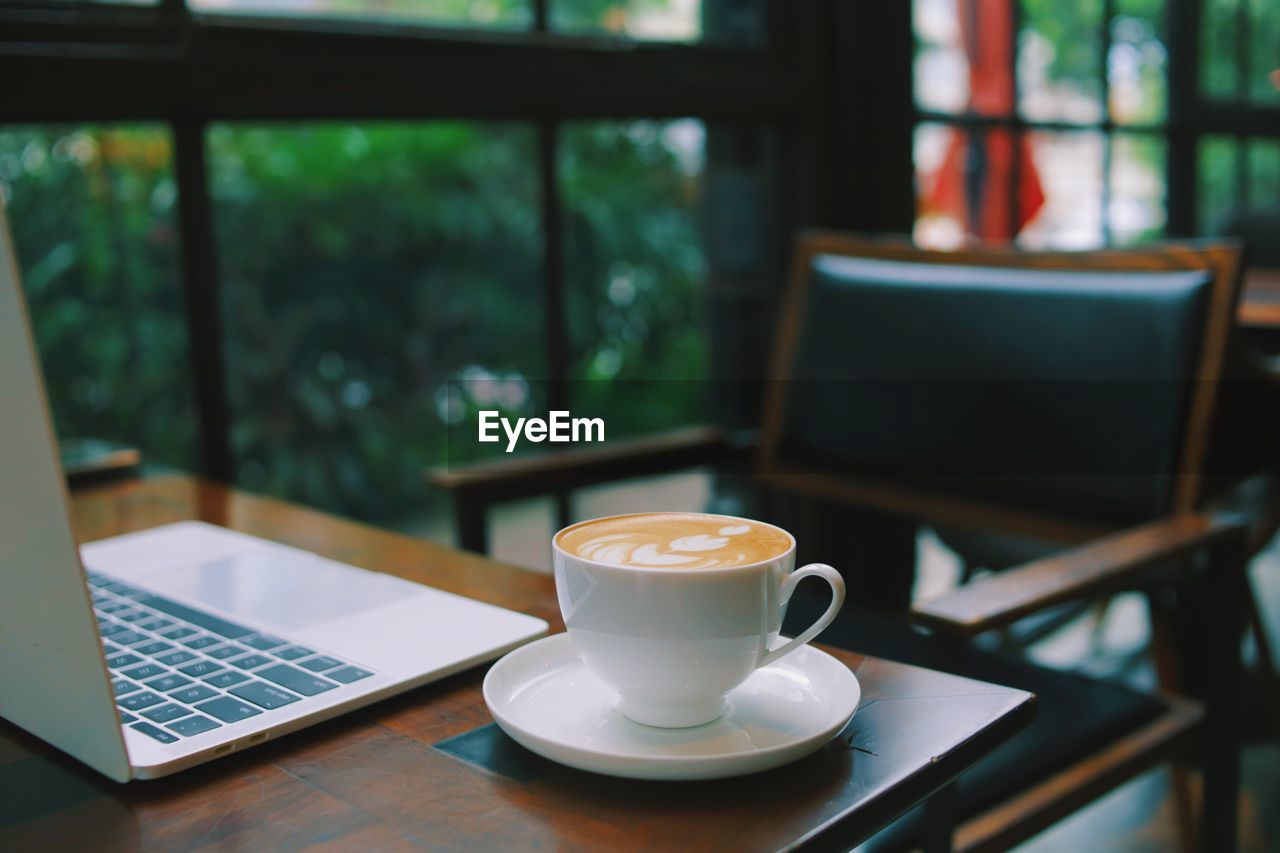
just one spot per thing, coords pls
(789, 583)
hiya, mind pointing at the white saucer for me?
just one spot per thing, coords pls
(543, 697)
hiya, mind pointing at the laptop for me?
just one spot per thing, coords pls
(155, 651)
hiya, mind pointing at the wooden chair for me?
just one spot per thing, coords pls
(882, 350)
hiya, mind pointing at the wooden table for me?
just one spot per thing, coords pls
(1260, 300)
(374, 780)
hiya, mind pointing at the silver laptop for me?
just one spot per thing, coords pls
(148, 653)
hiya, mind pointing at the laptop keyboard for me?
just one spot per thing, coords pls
(178, 671)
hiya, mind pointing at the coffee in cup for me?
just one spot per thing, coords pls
(673, 610)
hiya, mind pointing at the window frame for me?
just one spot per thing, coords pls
(1190, 116)
(87, 62)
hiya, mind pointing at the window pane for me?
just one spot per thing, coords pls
(635, 271)
(1137, 65)
(1219, 181)
(92, 210)
(1264, 52)
(1219, 49)
(940, 223)
(505, 14)
(978, 184)
(1264, 172)
(364, 268)
(1060, 60)
(719, 21)
(1069, 166)
(1135, 210)
(941, 64)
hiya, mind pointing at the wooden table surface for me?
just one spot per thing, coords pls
(1260, 301)
(372, 779)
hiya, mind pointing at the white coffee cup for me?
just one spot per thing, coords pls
(673, 642)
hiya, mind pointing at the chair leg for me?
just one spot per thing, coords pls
(1266, 661)
(1219, 609)
(1180, 779)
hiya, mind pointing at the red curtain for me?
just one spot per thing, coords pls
(974, 180)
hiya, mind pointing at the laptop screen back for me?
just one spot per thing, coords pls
(54, 679)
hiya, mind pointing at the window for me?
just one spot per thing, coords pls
(1051, 123)
(355, 221)
(92, 211)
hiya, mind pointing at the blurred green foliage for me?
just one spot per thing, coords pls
(91, 211)
(364, 267)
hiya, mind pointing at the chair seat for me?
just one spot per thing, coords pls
(1075, 716)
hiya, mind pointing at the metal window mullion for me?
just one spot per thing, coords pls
(555, 325)
(1108, 140)
(1015, 132)
(201, 299)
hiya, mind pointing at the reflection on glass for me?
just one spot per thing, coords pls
(941, 64)
(635, 271)
(92, 212)
(1059, 60)
(1070, 168)
(507, 14)
(1135, 207)
(1264, 172)
(1136, 66)
(1219, 49)
(365, 267)
(1218, 181)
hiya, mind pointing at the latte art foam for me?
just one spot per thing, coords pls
(674, 541)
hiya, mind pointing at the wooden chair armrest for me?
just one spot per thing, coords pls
(527, 476)
(1004, 598)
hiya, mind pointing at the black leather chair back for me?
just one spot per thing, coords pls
(1058, 392)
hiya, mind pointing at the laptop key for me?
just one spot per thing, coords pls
(159, 734)
(200, 668)
(166, 683)
(121, 687)
(264, 695)
(191, 695)
(153, 648)
(250, 661)
(263, 642)
(135, 616)
(165, 713)
(194, 725)
(130, 638)
(174, 658)
(208, 621)
(227, 709)
(112, 629)
(96, 579)
(226, 679)
(320, 664)
(138, 701)
(118, 607)
(293, 653)
(117, 661)
(201, 642)
(155, 624)
(295, 679)
(226, 652)
(348, 674)
(178, 633)
(125, 716)
(148, 670)
(110, 650)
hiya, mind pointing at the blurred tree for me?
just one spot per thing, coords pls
(92, 216)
